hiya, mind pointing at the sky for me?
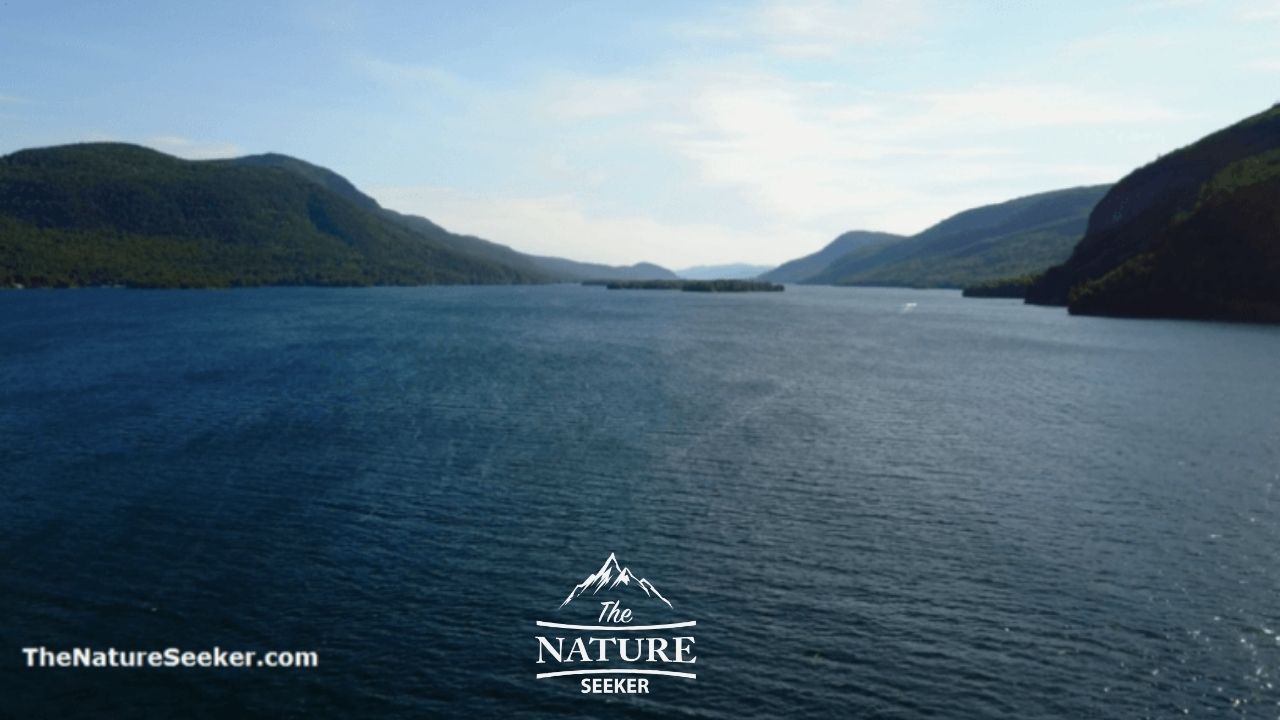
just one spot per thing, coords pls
(680, 132)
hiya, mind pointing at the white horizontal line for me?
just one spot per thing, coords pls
(691, 676)
(562, 626)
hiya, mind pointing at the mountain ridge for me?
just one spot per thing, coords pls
(1015, 237)
(609, 576)
(122, 214)
(1194, 234)
(802, 268)
(561, 269)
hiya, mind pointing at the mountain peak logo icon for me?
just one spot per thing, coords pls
(610, 576)
(621, 651)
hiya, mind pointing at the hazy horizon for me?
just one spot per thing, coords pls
(675, 133)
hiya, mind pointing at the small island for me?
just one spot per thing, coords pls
(1014, 287)
(690, 285)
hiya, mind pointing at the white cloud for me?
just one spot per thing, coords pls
(1264, 66)
(1120, 44)
(563, 225)
(409, 74)
(754, 160)
(1264, 10)
(1166, 5)
(810, 28)
(192, 150)
(999, 107)
(585, 97)
(764, 139)
(806, 160)
(824, 28)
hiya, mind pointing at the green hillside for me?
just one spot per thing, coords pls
(117, 214)
(1017, 237)
(578, 271)
(1195, 234)
(558, 269)
(108, 213)
(802, 269)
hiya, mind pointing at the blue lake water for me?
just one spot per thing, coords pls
(875, 503)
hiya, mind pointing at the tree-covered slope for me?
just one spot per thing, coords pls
(554, 268)
(466, 244)
(110, 213)
(803, 269)
(1195, 234)
(574, 270)
(1012, 238)
(322, 176)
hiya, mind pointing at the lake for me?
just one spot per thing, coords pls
(875, 503)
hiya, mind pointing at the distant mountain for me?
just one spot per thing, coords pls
(802, 269)
(613, 577)
(1012, 238)
(1195, 234)
(558, 269)
(574, 270)
(732, 271)
(112, 213)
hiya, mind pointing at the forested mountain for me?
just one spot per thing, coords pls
(802, 269)
(574, 270)
(111, 213)
(1016, 237)
(1194, 234)
(559, 269)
